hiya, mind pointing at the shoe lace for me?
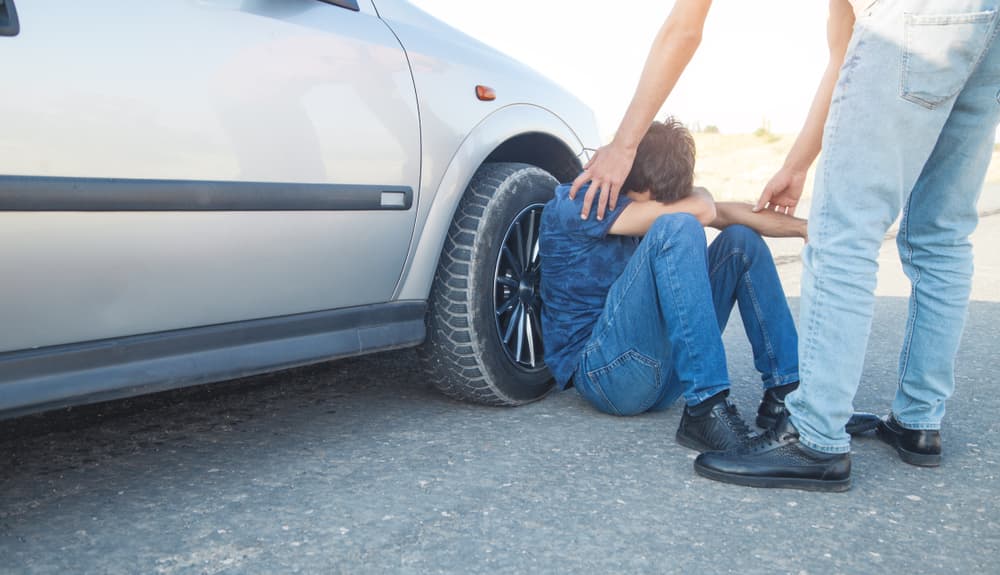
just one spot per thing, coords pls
(760, 441)
(735, 421)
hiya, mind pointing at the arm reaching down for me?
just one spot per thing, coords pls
(673, 48)
(782, 192)
(765, 223)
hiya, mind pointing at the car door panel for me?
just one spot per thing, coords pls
(249, 95)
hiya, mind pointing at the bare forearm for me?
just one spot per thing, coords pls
(673, 48)
(638, 217)
(810, 140)
(765, 223)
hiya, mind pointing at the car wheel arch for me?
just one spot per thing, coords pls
(517, 133)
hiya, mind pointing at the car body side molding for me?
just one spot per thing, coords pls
(57, 194)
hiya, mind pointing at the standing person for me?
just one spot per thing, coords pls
(635, 303)
(911, 126)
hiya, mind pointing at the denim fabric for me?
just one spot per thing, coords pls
(659, 335)
(911, 127)
(580, 261)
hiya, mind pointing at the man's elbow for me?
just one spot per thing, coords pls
(707, 215)
(685, 39)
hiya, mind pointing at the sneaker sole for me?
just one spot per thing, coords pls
(825, 485)
(692, 443)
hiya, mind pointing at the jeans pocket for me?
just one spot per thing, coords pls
(940, 53)
(629, 385)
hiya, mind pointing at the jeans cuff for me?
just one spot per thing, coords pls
(927, 426)
(695, 399)
(823, 448)
(773, 381)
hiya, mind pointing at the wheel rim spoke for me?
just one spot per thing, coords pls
(520, 334)
(510, 257)
(507, 305)
(520, 245)
(530, 246)
(518, 304)
(530, 335)
(513, 323)
(510, 282)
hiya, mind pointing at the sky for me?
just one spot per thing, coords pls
(759, 61)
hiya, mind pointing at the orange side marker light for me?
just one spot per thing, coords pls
(485, 93)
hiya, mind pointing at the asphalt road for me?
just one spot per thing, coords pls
(357, 466)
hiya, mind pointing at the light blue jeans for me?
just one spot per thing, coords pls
(911, 126)
(659, 336)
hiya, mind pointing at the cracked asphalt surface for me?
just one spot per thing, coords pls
(357, 466)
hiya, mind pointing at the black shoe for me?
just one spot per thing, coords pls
(720, 429)
(777, 459)
(915, 446)
(772, 407)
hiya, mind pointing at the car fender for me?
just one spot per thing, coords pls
(488, 135)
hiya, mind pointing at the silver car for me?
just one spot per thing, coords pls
(197, 190)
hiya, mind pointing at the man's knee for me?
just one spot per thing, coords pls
(744, 239)
(676, 228)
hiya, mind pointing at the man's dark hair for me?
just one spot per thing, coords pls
(664, 162)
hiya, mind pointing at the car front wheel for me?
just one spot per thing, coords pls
(484, 341)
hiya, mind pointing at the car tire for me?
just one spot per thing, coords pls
(484, 314)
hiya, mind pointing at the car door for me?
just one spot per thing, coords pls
(176, 163)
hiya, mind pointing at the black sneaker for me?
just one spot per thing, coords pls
(778, 459)
(720, 429)
(772, 407)
(915, 446)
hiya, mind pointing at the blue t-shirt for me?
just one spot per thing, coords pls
(580, 262)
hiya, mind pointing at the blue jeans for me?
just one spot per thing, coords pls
(911, 127)
(659, 335)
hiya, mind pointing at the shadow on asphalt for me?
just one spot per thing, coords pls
(281, 398)
(363, 460)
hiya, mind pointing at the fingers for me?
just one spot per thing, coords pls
(580, 180)
(763, 200)
(602, 200)
(588, 200)
(616, 189)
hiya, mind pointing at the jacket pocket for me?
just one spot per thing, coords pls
(940, 53)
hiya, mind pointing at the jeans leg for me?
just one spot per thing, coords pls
(657, 337)
(875, 145)
(741, 269)
(934, 247)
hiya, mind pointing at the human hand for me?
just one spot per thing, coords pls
(782, 192)
(606, 172)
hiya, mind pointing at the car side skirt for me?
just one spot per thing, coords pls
(58, 376)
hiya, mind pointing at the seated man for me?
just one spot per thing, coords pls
(635, 303)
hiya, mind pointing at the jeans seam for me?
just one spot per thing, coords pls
(745, 277)
(771, 356)
(833, 124)
(674, 285)
(904, 359)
